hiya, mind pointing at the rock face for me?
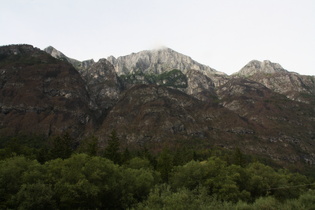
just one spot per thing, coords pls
(103, 83)
(294, 86)
(156, 98)
(160, 61)
(100, 77)
(40, 94)
(265, 67)
(198, 80)
(152, 115)
(283, 125)
(76, 64)
(157, 62)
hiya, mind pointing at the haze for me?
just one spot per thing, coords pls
(224, 35)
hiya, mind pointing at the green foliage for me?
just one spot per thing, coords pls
(162, 197)
(62, 146)
(79, 182)
(165, 164)
(112, 149)
(89, 145)
(180, 179)
(11, 173)
(138, 163)
(35, 196)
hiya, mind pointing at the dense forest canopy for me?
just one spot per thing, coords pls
(59, 173)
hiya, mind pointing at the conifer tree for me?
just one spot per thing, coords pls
(112, 149)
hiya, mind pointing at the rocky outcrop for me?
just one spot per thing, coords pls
(161, 67)
(103, 84)
(100, 77)
(255, 66)
(280, 123)
(80, 66)
(200, 86)
(40, 94)
(150, 114)
(272, 75)
(157, 62)
(136, 68)
(160, 61)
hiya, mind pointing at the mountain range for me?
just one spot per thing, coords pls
(158, 98)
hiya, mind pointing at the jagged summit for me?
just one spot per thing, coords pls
(158, 61)
(55, 53)
(255, 66)
(77, 64)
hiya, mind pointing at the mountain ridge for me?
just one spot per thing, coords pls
(150, 110)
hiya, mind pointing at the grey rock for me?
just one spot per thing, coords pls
(157, 62)
(103, 83)
(75, 63)
(293, 85)
(255, 66)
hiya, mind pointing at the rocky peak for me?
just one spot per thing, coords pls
(75, 63)
(156, 62)
(112, 59)
(55, 53)
(255, 66)
(273, 76)
(103, 83)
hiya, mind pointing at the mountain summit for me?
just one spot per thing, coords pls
(255, 66)
(158, 61)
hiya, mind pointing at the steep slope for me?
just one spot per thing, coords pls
(287, 126)
(157, 62)
(160, 61)
(294, 86)
(165, 98)
(265, 67)
(100, 77)
(40, 94)
(80, 66)
(164, 67)
(103, 84)
(174, 69)
(254, 119)
(153, 115)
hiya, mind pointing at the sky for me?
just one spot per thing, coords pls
(223, 34)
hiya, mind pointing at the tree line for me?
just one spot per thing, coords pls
(62, 174)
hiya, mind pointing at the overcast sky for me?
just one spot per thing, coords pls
(223, 34)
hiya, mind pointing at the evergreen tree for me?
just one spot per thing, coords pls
(126, 156)
(112, 149)
(62, 147)
(165, 164)
(89, 146)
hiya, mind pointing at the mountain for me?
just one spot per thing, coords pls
(102, 83)
(40, 94)
(101, 80)
(159, 98)
(272, 75)
(156, 62)
(258, 67)
(77, 64)
(160, 61)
